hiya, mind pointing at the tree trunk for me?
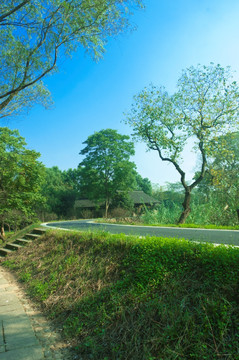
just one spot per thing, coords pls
(186, 207)
(106, 208)
(2, 233)
(238, 214)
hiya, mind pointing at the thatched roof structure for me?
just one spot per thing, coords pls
(138, 198)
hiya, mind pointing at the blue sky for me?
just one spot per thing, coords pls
(171, 35)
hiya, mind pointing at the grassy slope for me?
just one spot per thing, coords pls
(120, 297)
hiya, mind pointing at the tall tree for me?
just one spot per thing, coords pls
(205, 106)
(106, 168)
(34, 34)
(21, 175)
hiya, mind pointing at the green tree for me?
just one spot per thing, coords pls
(21, 175)
(60, 191)
(106, 168)
(204, 107)
(34, 34)
(143, 184)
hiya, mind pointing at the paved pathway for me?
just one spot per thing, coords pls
(18, 340)
(24, 333)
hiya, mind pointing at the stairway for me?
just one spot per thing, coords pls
(8, 248)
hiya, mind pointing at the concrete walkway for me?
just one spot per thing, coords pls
(17, 337)
(25, 334)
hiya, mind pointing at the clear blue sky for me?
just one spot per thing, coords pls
(171, 35)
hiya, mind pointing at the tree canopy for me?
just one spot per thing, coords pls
(224, 173)
(204, 108)
(21, 175)
(60, 190)
(34, 34)
(106, 167)
(143, 184)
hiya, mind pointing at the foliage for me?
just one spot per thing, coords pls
(216, 197)
(207, 207)
(204, 216)
(123, 201)
(224, 170)
(162, 214)
(169, 195)
(204, 108)
(60, 191)
(17, 219)
(35, 34)
(106, 168)
(143, 184)
(23, 101)
(21, 176)
(118, 297)
(212, 212)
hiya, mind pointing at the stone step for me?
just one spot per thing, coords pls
(4, 251)
(32, 236)
(39, 231)
(18, 243)
(12, 246)
(22, 241)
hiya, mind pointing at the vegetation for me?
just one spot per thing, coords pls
(35, 33)
(11, 236)
(211, 205)
(106, 168)
(215, 199)
(203, 110)
(21, 176)
(60, 189)
(118, 297)
(143, 184)
(223, 177)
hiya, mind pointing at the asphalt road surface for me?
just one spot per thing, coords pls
(230, 237)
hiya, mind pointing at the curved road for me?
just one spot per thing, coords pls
(230, 237)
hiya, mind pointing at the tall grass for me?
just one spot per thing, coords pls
(201, 214)
(162, 215)
(212, 212)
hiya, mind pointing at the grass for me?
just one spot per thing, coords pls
(120, 298)
(196, 226)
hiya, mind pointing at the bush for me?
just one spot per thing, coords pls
(119, 213)
(212, 212)
(162, 215)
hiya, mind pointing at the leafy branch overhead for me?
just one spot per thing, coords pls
(204, 108)
(35, 34)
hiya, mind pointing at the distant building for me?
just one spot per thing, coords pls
(138, 198)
